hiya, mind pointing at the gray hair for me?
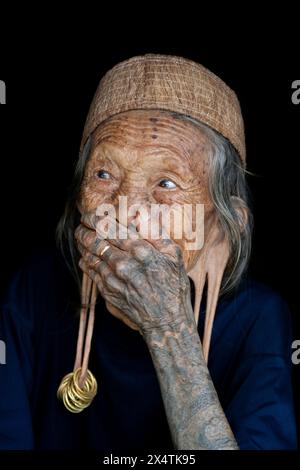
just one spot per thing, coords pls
(229, 192)
(230, 195)
(70, 218)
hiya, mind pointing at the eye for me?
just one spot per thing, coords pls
(167, 184)
(104, 175)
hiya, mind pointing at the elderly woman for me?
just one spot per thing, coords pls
(161, 131)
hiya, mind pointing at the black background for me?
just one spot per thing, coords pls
(52, 66)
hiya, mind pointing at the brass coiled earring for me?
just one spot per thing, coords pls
(78, 388)
(74, 397)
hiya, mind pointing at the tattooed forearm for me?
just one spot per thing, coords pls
(146, 285)
(194, 413)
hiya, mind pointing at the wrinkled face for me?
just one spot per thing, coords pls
(152, 157)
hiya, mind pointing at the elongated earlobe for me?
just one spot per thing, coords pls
(78, 388)
(210, 266)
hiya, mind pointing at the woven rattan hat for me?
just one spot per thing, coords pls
(168, 83)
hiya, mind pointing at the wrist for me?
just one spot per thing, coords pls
(182, 329)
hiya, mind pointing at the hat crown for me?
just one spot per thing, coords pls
(169, 83)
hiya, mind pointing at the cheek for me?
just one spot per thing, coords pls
(190, 257)
(88, 199)
(194, 241)
(185, 236)
(92, 194)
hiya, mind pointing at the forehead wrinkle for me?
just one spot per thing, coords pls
(106, 149)
(124, 141)
(143, 149)
(170, 159)
(166, 130)
(167, 157)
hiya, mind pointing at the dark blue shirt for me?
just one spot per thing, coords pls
(249, 363)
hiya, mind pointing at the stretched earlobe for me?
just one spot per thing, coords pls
(210, 267)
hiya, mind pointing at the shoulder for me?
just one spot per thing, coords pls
(260, 316)
(41, 287)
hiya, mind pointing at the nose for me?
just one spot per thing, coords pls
(132, 203)
(135, 194)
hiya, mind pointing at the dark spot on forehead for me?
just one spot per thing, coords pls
(154, 136)
(152, 119)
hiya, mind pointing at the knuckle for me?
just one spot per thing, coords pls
(88, 237)
(137, 280)
(109, 280)
(88, 219)
(96, 243)
(77, 233)
(140, 251)
(177, 252)
(90, 259)
(121, 268)
(92, 219)
(82, 264)
(84, 235)
(105, 272)
(80, 249)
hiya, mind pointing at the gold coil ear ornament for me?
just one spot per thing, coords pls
(75, 397)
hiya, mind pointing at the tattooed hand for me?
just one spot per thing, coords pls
(143, 282)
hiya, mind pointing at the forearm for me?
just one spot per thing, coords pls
(147, 283)
(196, 418)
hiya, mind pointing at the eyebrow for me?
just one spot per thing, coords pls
(177, 159)
(173, 156)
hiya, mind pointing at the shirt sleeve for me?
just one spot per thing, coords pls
(16, 335)
(261, 412)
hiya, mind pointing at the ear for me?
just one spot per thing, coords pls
(241, 211)
(210, 266)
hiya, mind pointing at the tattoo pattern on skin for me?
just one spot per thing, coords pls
(196, 418)
(144, 282)
(153, 290)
